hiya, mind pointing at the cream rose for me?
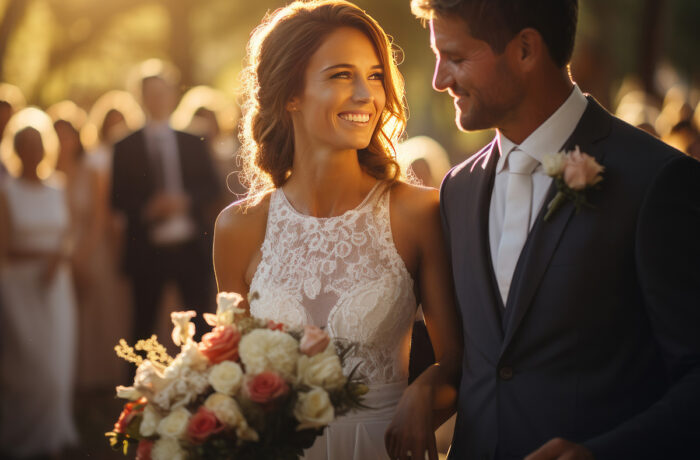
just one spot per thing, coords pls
(150, 421)
(313, 409)
(322, 370)
(553, 163)
(225, 408)
(265, 350)
(174, 424)
(226, 377)
(167, 449)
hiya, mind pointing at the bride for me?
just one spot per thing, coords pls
(328, 234)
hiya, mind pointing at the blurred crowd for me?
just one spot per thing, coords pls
(106, 214)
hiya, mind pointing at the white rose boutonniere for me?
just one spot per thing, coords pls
(573, 172)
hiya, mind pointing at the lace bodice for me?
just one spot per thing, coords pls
(342, 273)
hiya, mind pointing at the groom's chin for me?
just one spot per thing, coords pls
(467, 123)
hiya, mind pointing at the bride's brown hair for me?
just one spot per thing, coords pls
(279, 51)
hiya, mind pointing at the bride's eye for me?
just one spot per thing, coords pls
(377, 76)
(344, 74)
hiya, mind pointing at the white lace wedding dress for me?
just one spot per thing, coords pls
(343, 273)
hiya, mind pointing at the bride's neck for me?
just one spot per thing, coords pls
(325, 184)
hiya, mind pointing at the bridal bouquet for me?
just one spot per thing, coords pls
(250, 389)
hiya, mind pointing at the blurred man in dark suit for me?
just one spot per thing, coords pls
(164, 182)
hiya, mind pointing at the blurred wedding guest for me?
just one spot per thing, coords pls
(11, 100)
(103, 312)
(426, 158)
(162, 181)
(209, 113)
(38, 314)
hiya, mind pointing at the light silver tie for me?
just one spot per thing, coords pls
(516, 223)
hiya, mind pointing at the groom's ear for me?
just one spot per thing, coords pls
(527, 48)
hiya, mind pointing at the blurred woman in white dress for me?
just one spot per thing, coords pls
(38, 307)
(329, 235)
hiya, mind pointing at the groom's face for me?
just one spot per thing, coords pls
(484, 85)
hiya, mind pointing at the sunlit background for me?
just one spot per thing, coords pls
(75, 59)
(78, 49)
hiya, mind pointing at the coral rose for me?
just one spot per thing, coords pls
(202, 425)
(131, 410)
(314, 341)
(221, 344)
(274, 326)
(143, 452)
(581, 170)
(266, 387)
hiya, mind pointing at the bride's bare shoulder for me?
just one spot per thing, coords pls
(415, 201)
(244, 218)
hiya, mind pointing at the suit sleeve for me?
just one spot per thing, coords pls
(667, 251)
(124, 194)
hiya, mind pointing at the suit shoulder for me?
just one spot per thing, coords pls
(477, 161)
(644, 147)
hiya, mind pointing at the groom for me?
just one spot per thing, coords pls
(582, 331)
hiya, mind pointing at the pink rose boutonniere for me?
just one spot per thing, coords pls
(574, 172)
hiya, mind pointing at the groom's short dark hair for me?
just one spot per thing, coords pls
(497, 21)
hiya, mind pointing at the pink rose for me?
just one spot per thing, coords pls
(202, 425)
(221, 344)
(275, 326)
(131, 410)
(143, 452)
(314, 340)
(266, 387)
(581, 170)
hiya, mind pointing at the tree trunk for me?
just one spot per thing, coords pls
(14, 12)
(651, 43)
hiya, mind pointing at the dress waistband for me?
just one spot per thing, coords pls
(381, 401)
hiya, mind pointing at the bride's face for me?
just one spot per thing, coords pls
(343, 95)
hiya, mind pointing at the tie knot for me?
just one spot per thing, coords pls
(520, 162)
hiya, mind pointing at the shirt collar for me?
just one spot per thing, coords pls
(157, 127)
(551, 135)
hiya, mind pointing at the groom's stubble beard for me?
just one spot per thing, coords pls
(493, 105)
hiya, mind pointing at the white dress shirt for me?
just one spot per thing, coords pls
(549, 137)
(161, 143)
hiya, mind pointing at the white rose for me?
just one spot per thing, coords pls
(130, 393)
(174, 424)
(225, 408)
(313, 409)
(149, 380)
(189, 358)
(226, 377)
(265, 350)
(322, 370)
(553, 163)
(149, 422)
(167, 449)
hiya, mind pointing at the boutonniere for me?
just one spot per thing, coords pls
(574, 172)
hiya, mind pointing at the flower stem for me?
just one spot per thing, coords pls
(554, 205)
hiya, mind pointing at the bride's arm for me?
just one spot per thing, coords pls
(431, 398)
(238, 235)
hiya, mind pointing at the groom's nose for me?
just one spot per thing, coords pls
(442, 79)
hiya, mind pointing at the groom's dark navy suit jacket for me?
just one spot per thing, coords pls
(599, 342)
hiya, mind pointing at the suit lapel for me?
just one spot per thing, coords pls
(545, 236)
(487, 281)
